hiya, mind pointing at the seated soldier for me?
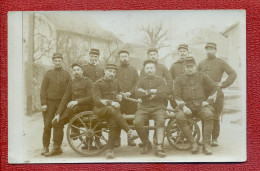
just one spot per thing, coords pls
(106, 96)
(190, 95)
(153, 90)
(77, 98)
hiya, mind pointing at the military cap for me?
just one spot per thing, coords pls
(149, 61)
(57, 55)
(210, 44)
(76, 64)
(189, 60)
(111, 66)
(94, 51)
(152, 50)
(123, 51)
(183, 46)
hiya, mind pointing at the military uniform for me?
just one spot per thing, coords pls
(105, 89)
(192, 90)
(128, 78)
(52, 89)
(215, 68)
(93, 72)
(152, 104)
(80, 90)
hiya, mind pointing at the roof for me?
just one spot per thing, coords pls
(79, 23)
(229, 28)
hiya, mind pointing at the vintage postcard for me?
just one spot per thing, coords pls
(127, 86)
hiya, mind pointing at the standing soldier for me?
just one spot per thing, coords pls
(128, 77)
(192, 99)
(152, 89)
(53, 87)
(106, 95)
(77, 98)
(92, 69)
(160, 71)
(177, 67)
(215, 67)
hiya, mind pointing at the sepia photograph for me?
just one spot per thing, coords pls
(127, 86)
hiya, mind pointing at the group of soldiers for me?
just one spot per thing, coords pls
(193, 90)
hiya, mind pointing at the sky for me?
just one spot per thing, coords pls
(125, 24)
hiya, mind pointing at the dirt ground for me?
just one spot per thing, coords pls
(232, 146)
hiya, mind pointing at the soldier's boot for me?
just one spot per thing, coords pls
(45, 150)
(56, 150)
(159, 151)
(109, 154)
(131, 135)
(194, 148)
(147, 147)
(131, 143)
(214, 143)
(206, 149)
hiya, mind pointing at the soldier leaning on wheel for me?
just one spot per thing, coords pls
(53, 87)
(77, 98)
(191, 97)
(215, 67)
(106, 96)
(152, 89)
(128, 77)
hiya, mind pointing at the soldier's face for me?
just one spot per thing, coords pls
(190, 69)
(211, 52)
(77, 71)
(124, 58)
(149, 69)
(57, 62)
(183, 53)
(153, 55)
(93, 58)
(110, 73)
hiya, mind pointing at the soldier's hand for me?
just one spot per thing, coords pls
(153, 91)
(56, 119)
(72, 103)
(219, 84)
(128, 94)
(119, 97)
(205, 103)
(104, 102)
(115, 104)
(44, 108)
(186, 110)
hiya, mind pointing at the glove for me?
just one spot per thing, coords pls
(115, 105)
(186, 110)
(56, 119)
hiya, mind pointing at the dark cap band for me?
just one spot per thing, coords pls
(111, 66)
(57, 55)
(189, 61)
(183, 46)
(147, 61)
(76, 64)
(94, 51)
(213, 45)
(123, 51)
(152, 50)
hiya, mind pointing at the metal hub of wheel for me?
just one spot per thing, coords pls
(89, 133)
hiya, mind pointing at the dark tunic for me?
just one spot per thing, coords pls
(215, 69)
(94, 72)
(54, 84)
(177, 69)
(192, 89)
(152, 82)
(128, 78)
(78, 89)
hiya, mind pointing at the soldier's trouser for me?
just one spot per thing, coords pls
(115, 121)
(127, 107)
(218, 108)
(52, 107)
(205, 114)
(64, 119)
(143, 115)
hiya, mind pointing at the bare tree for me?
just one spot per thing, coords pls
(156, 35)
